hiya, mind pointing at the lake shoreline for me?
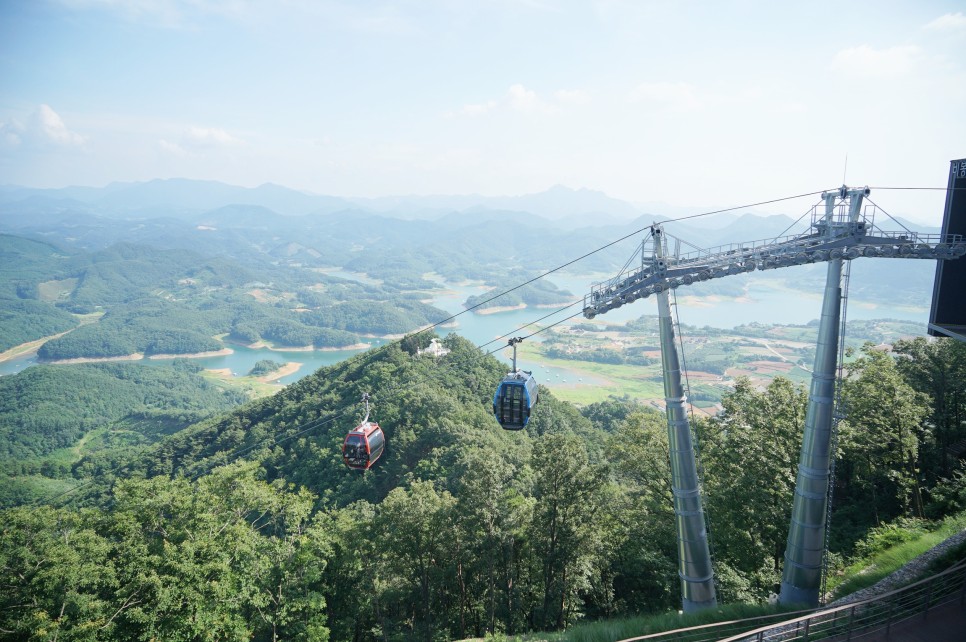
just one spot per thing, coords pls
(262, 345)
(139, 356)
(285, 370)
(27, 347)
(289, 368)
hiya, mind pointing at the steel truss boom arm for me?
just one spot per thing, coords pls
(832, 236)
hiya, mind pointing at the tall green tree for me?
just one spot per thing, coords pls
(413, 528)
(481, 513)
(937, 368)
(56, 575)
(645, 553)
(227, 557)
(750, 454)
(568, 493)
(881, 437)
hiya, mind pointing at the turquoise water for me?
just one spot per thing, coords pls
(766, 302)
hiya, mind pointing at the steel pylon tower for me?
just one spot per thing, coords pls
(694, 556)
(805, 551)
(842, 230)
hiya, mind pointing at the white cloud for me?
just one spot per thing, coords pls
(572, 96)
(866, 61)
(478, 109)
(11, 133)
(386, 20)
(178, 14)
(675, 95)
(517, 98)
(44, 128)
(949, 22)
(209, 137)
(171, 148)
(46, 124)
(168, 13)
(526, 100)
(195, 141)
(383, 18)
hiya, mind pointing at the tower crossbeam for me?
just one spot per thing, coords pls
(827, 240)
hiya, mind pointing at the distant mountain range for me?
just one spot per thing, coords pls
(185, 198)
(178, 197)
(470, 236)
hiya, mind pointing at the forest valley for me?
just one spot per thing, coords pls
(247, 526)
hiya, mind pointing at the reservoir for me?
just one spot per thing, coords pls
(766, 299)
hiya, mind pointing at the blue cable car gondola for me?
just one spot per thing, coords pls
(364, 443)
(516, 396)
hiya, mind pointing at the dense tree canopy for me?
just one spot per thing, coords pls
(462, 528)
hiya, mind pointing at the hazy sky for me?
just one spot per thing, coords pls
(691, 103)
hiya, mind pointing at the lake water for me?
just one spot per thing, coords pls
(766, 301)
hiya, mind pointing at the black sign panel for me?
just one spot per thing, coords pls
(948, 314)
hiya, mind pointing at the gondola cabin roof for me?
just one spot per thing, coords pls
(364, 429)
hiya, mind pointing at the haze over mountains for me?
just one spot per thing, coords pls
(459, 237)
(185, 197)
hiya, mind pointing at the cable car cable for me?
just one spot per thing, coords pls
(371, 353)
(610, 244)
(544, 329)
(930, 189)
(527, 325)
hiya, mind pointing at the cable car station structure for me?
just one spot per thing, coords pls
(841, 230)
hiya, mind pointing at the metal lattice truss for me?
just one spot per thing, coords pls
(834, 234)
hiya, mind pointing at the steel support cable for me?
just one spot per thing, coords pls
(535, 321)
(611, 244)
(544, 329)
(315, 423)
(797, 221)
(372, 353)
(307, 427)
(891, 217)
(928, 189)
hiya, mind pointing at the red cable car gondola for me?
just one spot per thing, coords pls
(364, 444)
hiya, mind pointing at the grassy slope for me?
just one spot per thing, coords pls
(866, 572)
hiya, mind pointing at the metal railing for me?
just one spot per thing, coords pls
(718, 630)
(847, 622)
(859, 619)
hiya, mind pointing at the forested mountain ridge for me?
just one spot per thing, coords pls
(247, 524)
(428, 409)
(177, 301)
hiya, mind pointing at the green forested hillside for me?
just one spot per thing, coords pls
(23, 265)
(158, 301)
(429, 409)
(22, 321)
(248, 525)
(46, 408)
(536, 293)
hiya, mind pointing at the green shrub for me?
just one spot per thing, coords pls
(886, 536)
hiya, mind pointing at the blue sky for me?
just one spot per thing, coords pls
(687, 103)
